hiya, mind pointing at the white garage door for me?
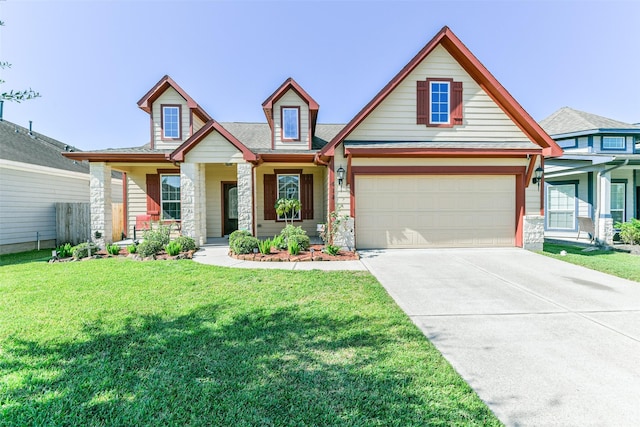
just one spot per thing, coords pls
(410, 211)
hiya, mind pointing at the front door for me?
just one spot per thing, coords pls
(229, 207)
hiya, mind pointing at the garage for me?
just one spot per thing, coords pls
(423, 211)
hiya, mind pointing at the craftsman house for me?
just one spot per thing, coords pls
(597, 180)
(441, 156)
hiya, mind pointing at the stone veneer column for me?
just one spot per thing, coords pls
(100, 202)
(604, 226)
(245, 196)
(533, 232)
(193, 205)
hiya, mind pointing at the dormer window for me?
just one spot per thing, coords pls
(613, 143)
(290, 123)
(439, 102)
(171, 127)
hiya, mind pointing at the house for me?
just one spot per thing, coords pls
(33, 177)
(442, 156)
(598, 177)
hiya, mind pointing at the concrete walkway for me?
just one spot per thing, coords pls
(542, 342)
(218, 254)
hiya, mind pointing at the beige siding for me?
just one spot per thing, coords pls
(532, 195)
(215, 175)
(291, 99)
(137, 193)
(342, 195)
(214, 149)
(170, 96)
(27, 197)
(395, 117)
(270, 228)
(197, 123)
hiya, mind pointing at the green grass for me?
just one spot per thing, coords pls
(618, 264)
(120, 342)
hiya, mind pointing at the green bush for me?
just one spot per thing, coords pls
(82, 250)
(294, 247)
(629, 231)
(265, 246)
(173, 248)
(245, 245)
(187, 243)
(301, 240)
(236, 235)
(132, 249)
(64, 251)
(154, 241)
(291, 231)
(332, 250)
(113, 249)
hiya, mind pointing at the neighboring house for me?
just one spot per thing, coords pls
(598, 176)
(441, 156)
(33, 177)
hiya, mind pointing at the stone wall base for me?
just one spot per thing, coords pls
(533, 232)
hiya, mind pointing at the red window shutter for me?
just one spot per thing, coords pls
(456, 103)
(153, 196)
(306, 196)
(422, 103)
(270, 192)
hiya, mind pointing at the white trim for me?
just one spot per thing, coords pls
(297, 122)
(298, 213)
(448, 121)
(616, 138)
(164, 128)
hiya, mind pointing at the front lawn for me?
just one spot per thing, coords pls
(618, 264)
(120, 342)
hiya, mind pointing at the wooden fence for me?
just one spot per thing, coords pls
(73, 222)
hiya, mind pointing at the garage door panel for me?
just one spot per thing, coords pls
(435, 211)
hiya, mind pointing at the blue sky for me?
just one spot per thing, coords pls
(93, 60)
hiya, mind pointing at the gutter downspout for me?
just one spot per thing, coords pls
(600, 173)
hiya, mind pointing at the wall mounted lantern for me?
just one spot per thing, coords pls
(340, 173)
(538, 174)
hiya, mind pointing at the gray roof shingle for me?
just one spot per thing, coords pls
(567, 120)
(17, 145)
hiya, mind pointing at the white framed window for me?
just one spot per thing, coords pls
(171, 121)
(170, 196)
(289, 188)
(618, 201)
(439, 102)
(561, 206)
(613, 143)
(291, 123)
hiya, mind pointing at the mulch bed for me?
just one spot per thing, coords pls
(285, 256)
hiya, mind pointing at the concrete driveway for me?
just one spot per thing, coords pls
(542, 342)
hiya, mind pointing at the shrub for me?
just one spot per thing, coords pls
(629, 231)
(332, 250)
(290, 231)
(173, 248)
(187, 243)
(113, 249)
(154, 241)
(132, 249)
(82, 250)
(64, 251)
(294, 247)
(236, 235)
(265, 246)
(245, 245)
(301, 240)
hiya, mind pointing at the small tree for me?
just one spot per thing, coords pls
(13, 95)
(285, 206)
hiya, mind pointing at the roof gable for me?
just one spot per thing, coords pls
(178, 154)
(448, 40)
(567, 120)
(159, 88)
(290, 84)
